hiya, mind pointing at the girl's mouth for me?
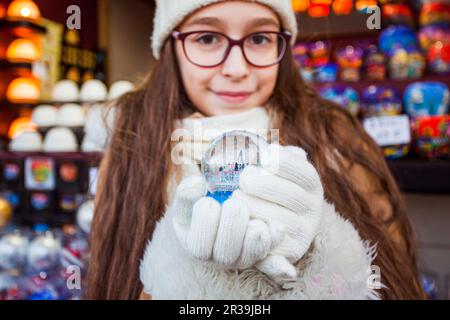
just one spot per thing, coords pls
(233, 97)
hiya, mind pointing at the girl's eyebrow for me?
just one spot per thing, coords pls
(263, 22)
(210, 21)
(216, 22)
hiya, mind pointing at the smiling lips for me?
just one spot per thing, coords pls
(233, 97)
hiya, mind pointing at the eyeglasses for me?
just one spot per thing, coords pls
(209, 49)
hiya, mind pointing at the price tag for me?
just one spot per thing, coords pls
(389, 130)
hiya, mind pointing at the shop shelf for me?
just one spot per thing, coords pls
(6, 103)
(422, 176)
(21, 28)
(5, 64)
(399, 85)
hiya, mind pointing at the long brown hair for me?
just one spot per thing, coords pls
(131, 196)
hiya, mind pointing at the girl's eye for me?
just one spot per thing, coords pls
(207, 39)
(260, 39)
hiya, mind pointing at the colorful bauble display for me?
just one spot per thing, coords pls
(432, 136)
(85, 216)
(13, 251)
(406, 64)
(6, 212)
(345, 96)
(439, 58)
(397, 13)
(364, 5)
(427, 103)
(43, 252)
(397, 37)
(23, 10)
(426, 99)
(380, 101)
(319, 53)
(433, 13)
(350, 61)
(430, 34)
(326, 73)
(321, 8)
(44, 264)
(375, 64)
(342, 7)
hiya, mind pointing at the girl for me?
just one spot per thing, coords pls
(304, 230)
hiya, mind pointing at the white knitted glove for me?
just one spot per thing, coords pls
(286, 190)
(223, 234)
(270, 222)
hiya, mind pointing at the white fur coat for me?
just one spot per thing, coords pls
(337, 266)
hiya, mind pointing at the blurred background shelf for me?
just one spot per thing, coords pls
(21, 27)
(422, 176)
(399, 85)
(5, 64)
(6, 103)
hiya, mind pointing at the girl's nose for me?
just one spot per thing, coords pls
(235, 66)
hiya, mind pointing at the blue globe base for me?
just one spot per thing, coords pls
(220, 196)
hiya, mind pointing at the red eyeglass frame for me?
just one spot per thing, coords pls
(240, 43)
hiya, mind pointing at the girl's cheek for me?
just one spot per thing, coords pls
(199, 78)
(270, 75)
(195, 82)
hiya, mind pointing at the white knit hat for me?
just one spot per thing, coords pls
(170, 13)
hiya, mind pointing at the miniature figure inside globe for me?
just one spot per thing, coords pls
(226, 158)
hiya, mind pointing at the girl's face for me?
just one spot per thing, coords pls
(235, 85)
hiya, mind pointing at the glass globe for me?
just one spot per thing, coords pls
(225, 159)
